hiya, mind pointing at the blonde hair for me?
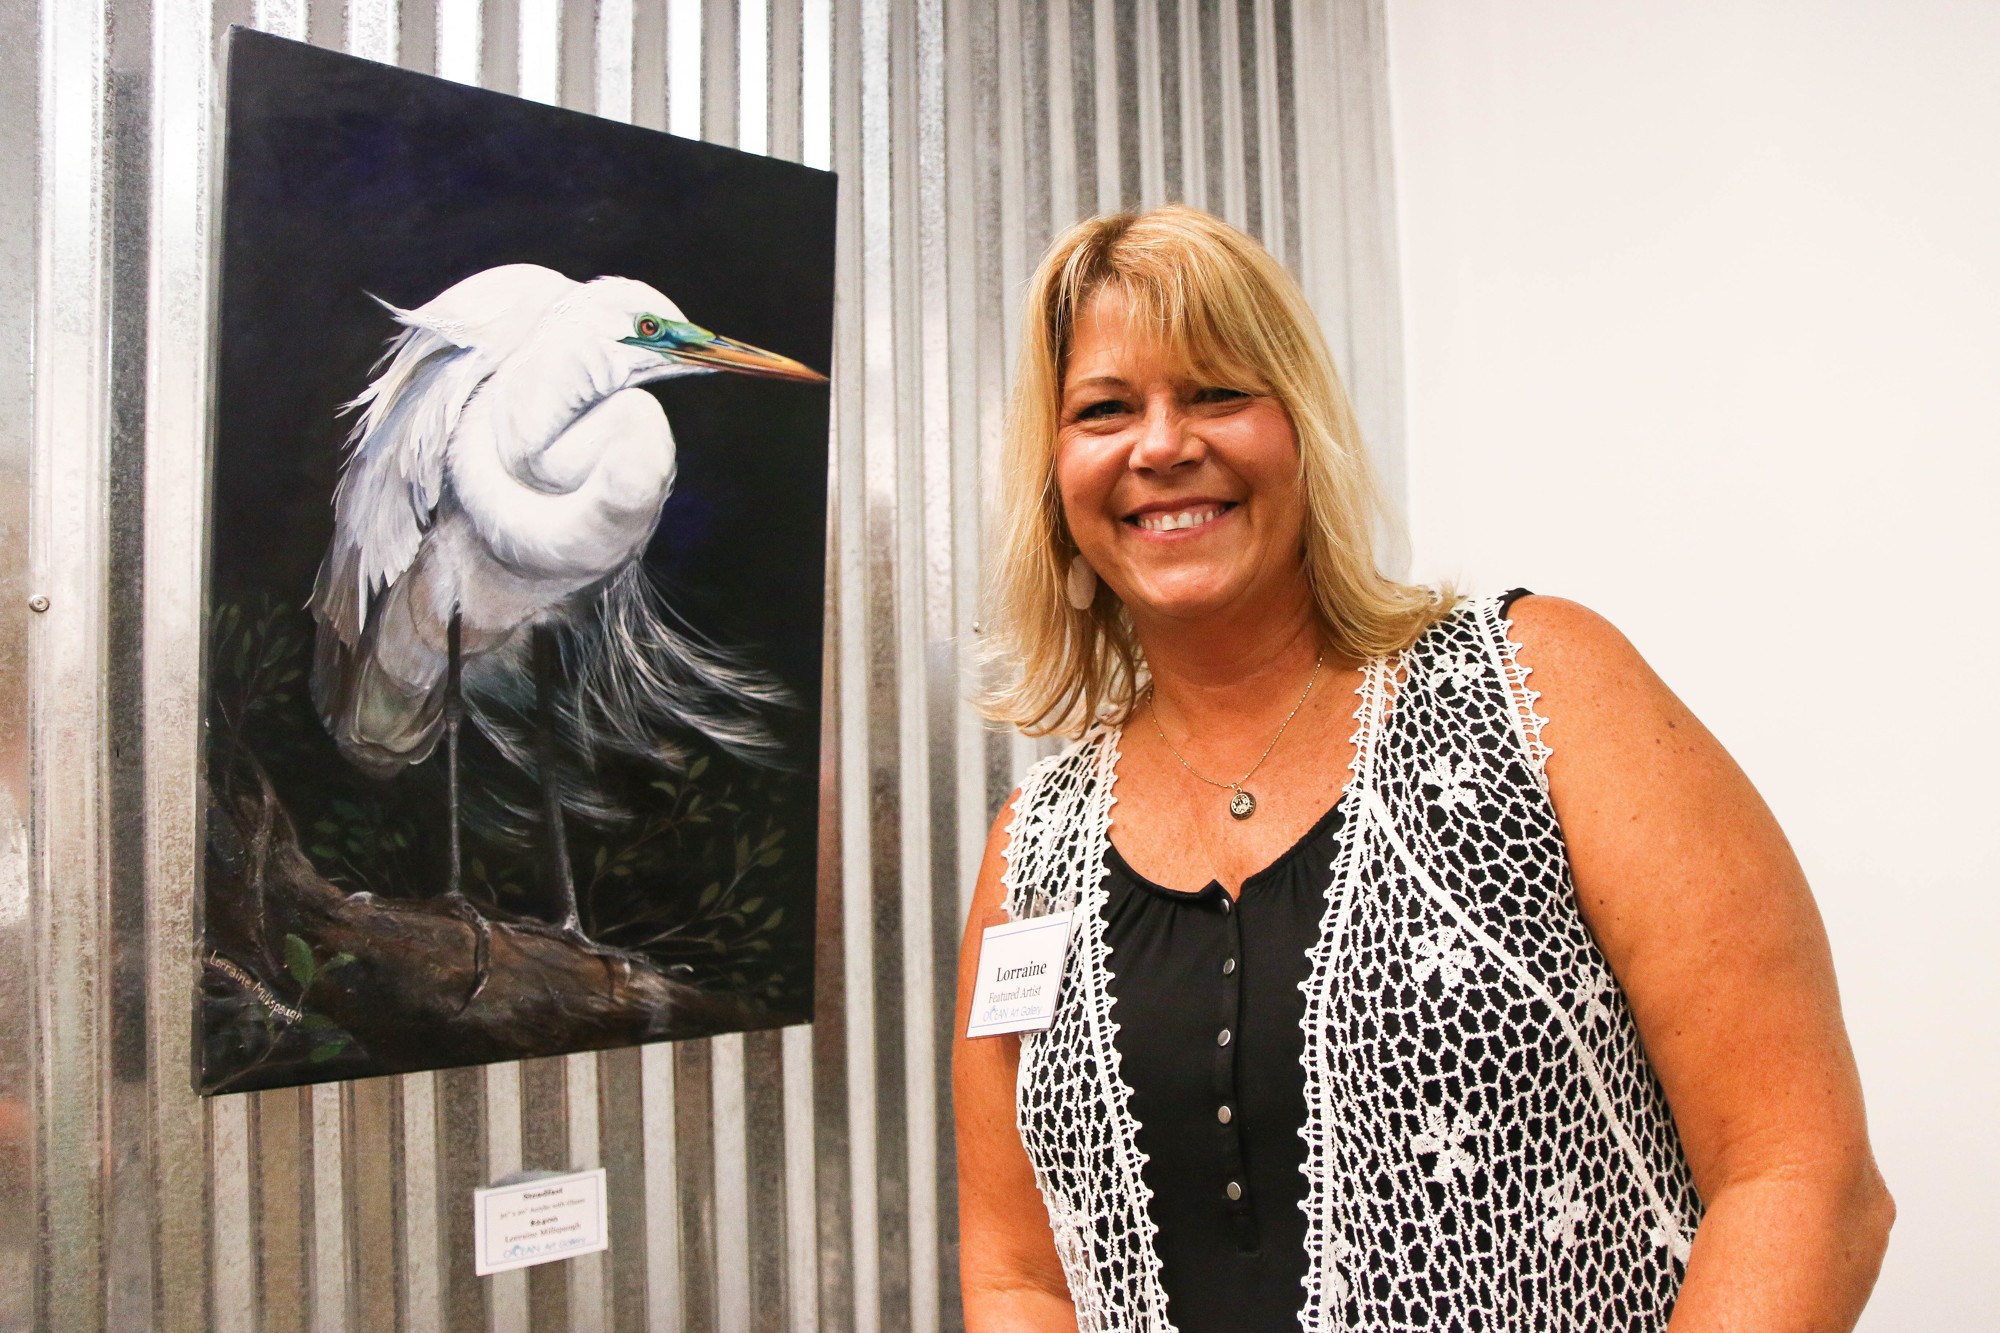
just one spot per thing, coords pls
(1216, 302)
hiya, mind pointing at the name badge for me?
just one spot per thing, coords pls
(1020, 967)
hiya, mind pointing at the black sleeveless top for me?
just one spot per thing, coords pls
(1219, 1117)
(1208, 1006)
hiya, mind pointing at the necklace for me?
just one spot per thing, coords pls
(1242, 804)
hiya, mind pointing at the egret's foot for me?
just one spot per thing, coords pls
(572, 933)
(608, 954)
(482, 945)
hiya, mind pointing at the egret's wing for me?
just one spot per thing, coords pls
(386, 501)
(378, 685)
(394, 475)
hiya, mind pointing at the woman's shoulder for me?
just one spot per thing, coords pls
(1586, 683)
(1562, 662)
(1556, 637)
(1568, 633)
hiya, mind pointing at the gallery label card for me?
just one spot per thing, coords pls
(1020, 967)
(535, 1221)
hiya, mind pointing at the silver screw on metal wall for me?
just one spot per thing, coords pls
(38, 603)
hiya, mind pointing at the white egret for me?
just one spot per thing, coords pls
(503, 480)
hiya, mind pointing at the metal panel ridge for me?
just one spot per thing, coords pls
(20, 125)
(67, 658)
(177, 406)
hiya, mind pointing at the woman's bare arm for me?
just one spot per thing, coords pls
(1008, 1269)
(1704, 914)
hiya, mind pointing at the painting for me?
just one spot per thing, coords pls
(516, 571)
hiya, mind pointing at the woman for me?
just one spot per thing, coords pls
(1378, 1010)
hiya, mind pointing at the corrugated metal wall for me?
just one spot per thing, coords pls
(797, 1179)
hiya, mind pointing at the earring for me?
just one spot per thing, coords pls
(1082, 584)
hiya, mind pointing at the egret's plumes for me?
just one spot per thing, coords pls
(508, 469)
(638, 686)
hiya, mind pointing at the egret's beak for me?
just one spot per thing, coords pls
(692, 345)
(728, 354)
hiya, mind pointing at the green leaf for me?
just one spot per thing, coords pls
(315, 1022)
(697, 768)
(600, 858)
(771, 921)
(753, 904)
(338, 960)
(299, 960)
(771, 857)
(327, 1050)
(709, 895)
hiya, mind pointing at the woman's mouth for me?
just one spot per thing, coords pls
(1175, 520)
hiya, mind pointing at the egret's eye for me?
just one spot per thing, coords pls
(649, 327)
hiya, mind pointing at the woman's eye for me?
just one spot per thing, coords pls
(1220, 395)
(1109, 407)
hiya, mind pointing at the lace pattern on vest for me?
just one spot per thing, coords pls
(1487, 1146)
(1085, 1151)
(1486, 1143)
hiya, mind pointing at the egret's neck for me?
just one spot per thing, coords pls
(541, 391)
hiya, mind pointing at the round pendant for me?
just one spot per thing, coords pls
(1242, 804)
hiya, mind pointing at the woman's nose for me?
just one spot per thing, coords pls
(1165, 442)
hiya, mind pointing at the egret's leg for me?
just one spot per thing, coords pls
(454, 716)
(454, 719)
(548, 667)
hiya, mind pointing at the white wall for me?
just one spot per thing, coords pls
(1703, 322)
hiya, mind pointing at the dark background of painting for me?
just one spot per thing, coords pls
(346, 179)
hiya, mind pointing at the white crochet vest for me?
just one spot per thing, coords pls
(1487, 1146)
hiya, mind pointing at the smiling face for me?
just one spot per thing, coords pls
(1181, 490)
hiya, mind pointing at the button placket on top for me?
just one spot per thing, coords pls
(1233, 1182)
